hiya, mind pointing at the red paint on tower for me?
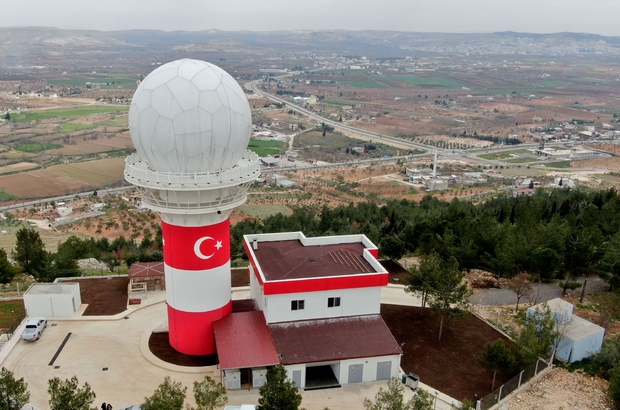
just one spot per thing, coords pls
(192, 332)
(196, 247)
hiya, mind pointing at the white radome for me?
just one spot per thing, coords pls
(190, 116)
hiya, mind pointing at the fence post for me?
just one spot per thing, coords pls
(499, 395)
(520, 375)
(536, 368)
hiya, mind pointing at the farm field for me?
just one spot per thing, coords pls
(264, 148)
(63, 179)
(612, 164)
(93, 173)
(75, 111)
(429, 81)
(92, 146)
(20, 166)
(363, 84)
(263, 211)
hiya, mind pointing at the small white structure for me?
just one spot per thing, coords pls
(99, 206)
(52, 299)
(579, 338)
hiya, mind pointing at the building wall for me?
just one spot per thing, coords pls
(370, 367)
(353, 302)
(341, 368)
(52, 305)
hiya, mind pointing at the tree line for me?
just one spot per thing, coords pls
(554, 234)
(278, 393)
(31, 257)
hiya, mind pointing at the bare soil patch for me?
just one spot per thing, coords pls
(448, 365)
(104, 296)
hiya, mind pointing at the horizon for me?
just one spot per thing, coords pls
(418, 16)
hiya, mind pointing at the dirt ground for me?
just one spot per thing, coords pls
(560, 389)
(104, 296)
(448, 365)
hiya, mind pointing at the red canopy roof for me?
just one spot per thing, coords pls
(146, 269)
(243, 340)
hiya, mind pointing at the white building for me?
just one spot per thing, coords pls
(318, 314)
(52, 299)
(578, 338)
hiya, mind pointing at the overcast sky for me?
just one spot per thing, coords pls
(463, 16)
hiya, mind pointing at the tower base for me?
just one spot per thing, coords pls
(191, 333)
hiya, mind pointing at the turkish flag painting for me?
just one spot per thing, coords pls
(196, 247)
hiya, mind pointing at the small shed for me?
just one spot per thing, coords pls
(579, 338)
(149, 274)
(52, 299)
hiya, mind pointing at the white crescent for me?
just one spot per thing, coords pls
(197, 248)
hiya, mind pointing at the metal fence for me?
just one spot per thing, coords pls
(511, 385)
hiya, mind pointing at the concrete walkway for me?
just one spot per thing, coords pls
(111, 354)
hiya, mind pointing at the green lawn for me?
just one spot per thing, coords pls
(429, 81)
(363, 84)
(75, 111)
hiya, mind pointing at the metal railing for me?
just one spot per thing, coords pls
(137, 171)
(10, 330)
(511, 385)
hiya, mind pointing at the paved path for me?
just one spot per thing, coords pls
(543, 293)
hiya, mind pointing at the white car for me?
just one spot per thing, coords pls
(34, 328)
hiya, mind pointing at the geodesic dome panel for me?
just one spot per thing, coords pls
(190, 116)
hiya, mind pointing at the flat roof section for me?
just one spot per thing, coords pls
(52, 288)
(290, 259)
(243, 340)
(312, 341)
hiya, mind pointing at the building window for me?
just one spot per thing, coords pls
(333, 302)
(297, 305)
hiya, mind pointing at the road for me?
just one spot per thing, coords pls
(30, 204)
(339, 126)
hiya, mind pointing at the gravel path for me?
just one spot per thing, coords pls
(546, 291)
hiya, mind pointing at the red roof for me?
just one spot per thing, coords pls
(243, 340)
(281, 260)
(333, 339)
(146, 269)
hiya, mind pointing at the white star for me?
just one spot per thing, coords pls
(163, 242)
(218, 245)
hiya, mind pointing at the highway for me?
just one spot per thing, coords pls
(339, 126)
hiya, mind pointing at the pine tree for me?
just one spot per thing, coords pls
(13, 392)
(278, 393)
(497, 358)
